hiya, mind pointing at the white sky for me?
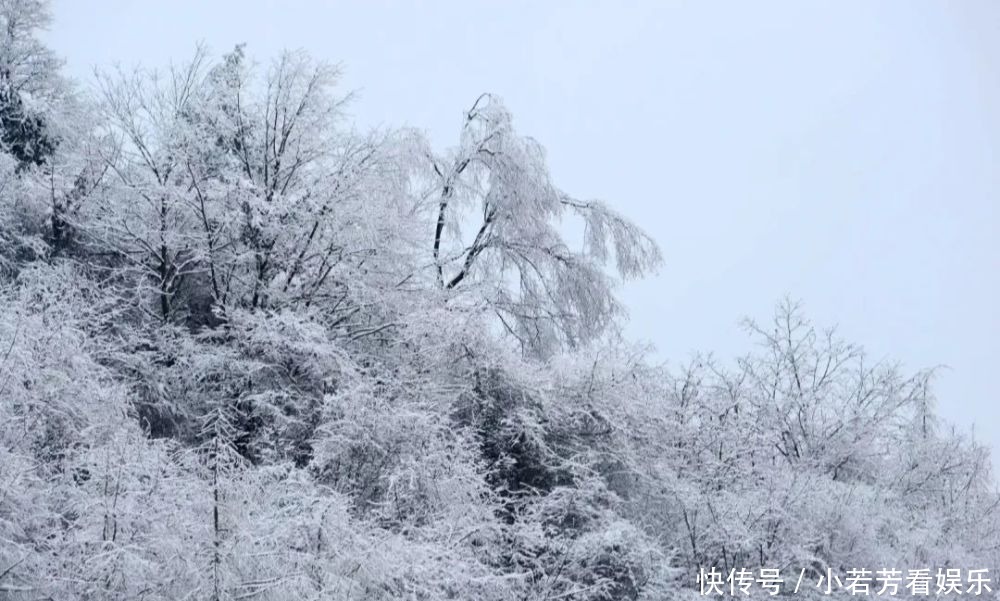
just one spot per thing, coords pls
(845, 153)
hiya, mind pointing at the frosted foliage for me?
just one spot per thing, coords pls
(545, 294)
(248, 352)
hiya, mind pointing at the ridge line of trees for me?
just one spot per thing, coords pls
(248, 352)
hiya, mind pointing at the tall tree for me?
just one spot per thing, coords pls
(27, 71)
(544, 293)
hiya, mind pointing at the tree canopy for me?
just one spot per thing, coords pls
(250, 352)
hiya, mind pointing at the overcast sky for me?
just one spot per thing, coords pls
(844, 153)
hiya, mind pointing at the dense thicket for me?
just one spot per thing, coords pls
(247, 352)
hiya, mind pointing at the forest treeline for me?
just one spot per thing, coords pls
(250, 352)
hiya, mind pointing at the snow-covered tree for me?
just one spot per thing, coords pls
(248, 352)
(543, 292)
